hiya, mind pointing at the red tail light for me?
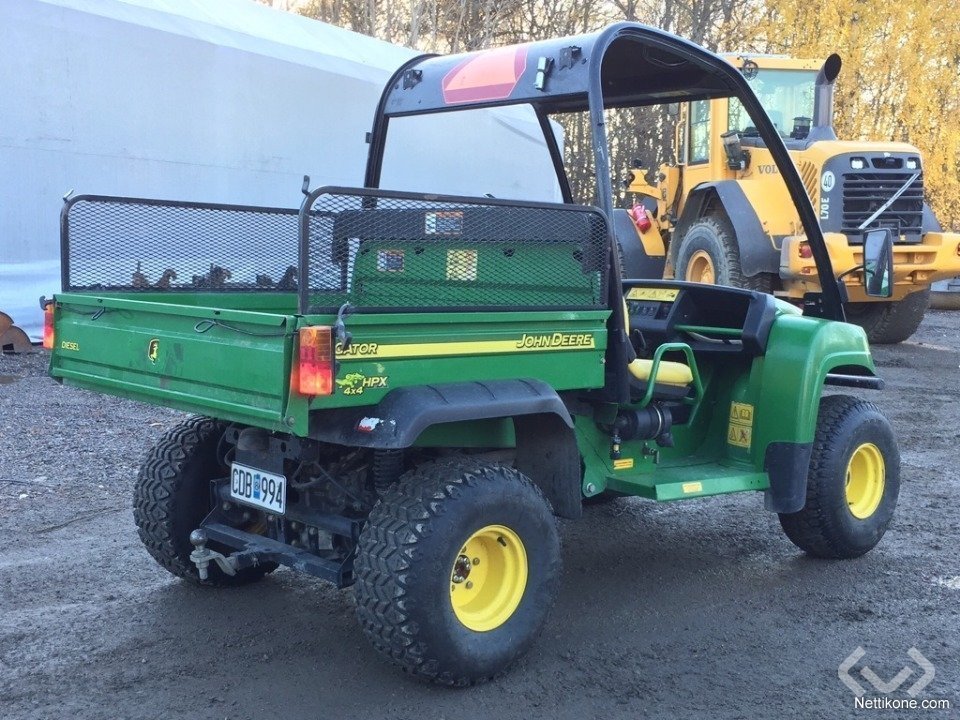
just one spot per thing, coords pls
(806, 252)
(315, 368)
(48, 326)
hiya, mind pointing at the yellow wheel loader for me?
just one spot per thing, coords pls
(722, 214)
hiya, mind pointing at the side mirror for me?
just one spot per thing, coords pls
(878, 263)
(737, 157)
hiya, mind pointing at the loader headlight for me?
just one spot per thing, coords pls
(858, 163)
(913, 163)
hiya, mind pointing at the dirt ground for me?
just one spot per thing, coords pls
(690, 610)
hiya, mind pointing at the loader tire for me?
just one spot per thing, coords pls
(457, 568)
(890, 322)
(853, 483)
(708, 253)
(172, 496)
(945, 300)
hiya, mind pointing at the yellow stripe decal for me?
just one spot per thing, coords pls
(691, 487)
(624, 464)
(526, 343)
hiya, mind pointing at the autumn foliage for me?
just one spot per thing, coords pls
(901, 62)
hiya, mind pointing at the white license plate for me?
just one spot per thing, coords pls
(256, 487)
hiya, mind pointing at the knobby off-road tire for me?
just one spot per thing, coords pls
(711, 241)
(418, 558)
(853, 483)
(172, 496)
(890, 322)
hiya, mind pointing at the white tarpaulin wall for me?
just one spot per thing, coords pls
(207, 100)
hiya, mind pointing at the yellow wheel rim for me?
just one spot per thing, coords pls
(700, 268)
(866, 479)
(488, 578)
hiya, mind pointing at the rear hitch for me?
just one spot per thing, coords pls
(202, 556)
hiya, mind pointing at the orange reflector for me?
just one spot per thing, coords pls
(48, 326)
(316, 360)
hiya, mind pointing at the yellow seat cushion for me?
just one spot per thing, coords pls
(669, 373)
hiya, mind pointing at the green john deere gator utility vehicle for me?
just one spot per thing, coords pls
(399, 391)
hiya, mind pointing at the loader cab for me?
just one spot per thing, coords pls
(717, 139)
(796, 96)
(625, 66)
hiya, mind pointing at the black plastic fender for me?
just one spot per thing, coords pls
(546, 445)
(757, 253)
(634, 260)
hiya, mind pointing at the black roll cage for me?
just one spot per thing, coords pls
(623, 65)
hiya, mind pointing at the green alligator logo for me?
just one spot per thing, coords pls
(355, 383)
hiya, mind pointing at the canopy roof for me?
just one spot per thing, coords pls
(637, 65)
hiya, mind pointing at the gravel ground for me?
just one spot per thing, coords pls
(691, 610)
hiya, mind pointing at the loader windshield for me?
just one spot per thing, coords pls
(786, 95)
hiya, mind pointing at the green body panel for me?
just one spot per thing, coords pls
(782, 389)
(408, 349)
(700, 451)
(152, 352)
(236, 364)
(785, 384)
(262, 301)
(683, 482)
(443, 275)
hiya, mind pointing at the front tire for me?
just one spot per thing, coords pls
(853, 483)
(889, 322)
(709, 254)
(172, 496)
(456, 570)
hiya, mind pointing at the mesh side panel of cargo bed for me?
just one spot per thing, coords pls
(129, 244)
(394, 252)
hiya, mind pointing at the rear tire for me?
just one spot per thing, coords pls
(172, 496)
(853, 483)
(890, 322)
(457, 568)
(708, 253)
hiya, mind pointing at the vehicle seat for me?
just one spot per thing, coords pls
(669, 372)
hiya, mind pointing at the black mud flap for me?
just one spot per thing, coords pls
(547, 453)
(787, 464)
